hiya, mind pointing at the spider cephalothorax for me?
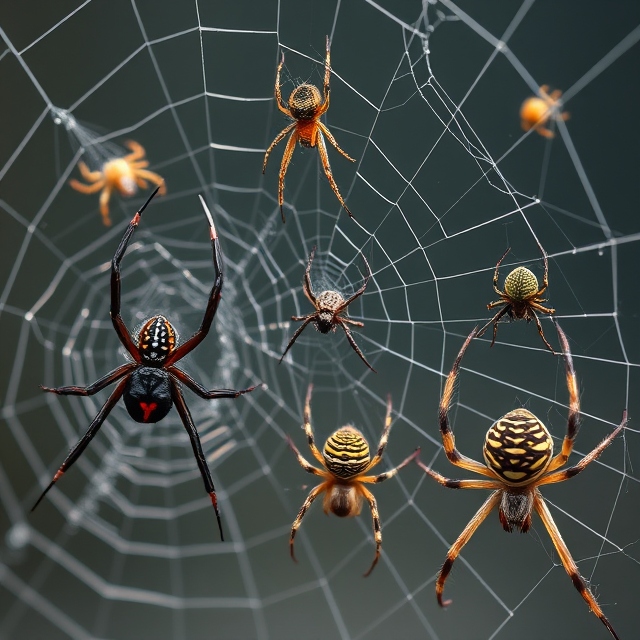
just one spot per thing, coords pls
(345, 461)
(521, 297)
(150, 384)
(305, 107)
(518, 453)
(330, 311)
(124, 175)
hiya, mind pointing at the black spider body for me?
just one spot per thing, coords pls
(147, 394)
(150, 383)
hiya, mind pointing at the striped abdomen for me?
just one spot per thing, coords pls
(346, 452)
(518, 447)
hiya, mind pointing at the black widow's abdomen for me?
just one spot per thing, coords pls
(147, 395)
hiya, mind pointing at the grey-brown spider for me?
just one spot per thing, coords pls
(330, 311)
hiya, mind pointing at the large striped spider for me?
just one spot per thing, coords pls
(345, 461)
(518, 452)
(305, 108)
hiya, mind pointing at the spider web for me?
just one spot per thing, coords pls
(425, 96)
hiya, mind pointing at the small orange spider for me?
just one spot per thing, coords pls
(124, 174)
(536, 111)
(306, 106)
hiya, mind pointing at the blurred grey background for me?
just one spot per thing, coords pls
(126, 545)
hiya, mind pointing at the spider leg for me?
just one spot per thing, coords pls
(93, 388)
(574, 403)
(353, 344)
(388, 474)
(277, 139)
(355, 323)
(496, 273)
(307, 427)
(570, 472)
(539, 307)
(299, 330)
(284, 165)
(315, 492)
(138, 164)
(137, 151)
(308, 467)
(214, 296)
(324, 158)
(459, 484)
(81, 445)
(377, 529)
(143, 184)
(116, 318)
(384, 437)
(327, 73)
(448, 439)
(333, 141)
(567, 561)
(463, 538)
(187, 421)
(201, 391)
(279, 102)
(87, 174)
(86, 188)
(153, 177)
(545, 277)
(360, 291)
(495, 321)
(308, 290)
(535, 317)
(105, 196)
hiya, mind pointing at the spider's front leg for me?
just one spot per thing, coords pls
(214, 296)
(205, 393)
(96, 386)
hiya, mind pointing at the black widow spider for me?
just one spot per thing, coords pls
(150, 384)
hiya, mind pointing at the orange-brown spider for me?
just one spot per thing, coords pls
(518, 455)
(124, 174)
(345, 461)
(536, 111)
(306, 106)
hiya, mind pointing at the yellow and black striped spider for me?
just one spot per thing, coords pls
(346, 461)
(518, 452)
(520, 298)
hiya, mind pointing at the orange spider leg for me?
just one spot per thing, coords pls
(568, 562)
(307, 427)
(87, 174)
(332, 140)
(86, 188)
(153, 177)
(279, 101)
(104, 205)
(286, 159)
(137, 151)
(324, 158)
(279, 137)
(463, 538)
(138, 164)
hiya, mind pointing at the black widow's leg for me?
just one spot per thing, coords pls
(93, 388)
(187, 421)
(214, 297)
(81, 445)
(116, 318)
(198, 389)
(360, 291)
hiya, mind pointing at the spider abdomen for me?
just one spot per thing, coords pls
(518, 448)
(147, 395)
(343, 500)
(521, 284)
(346, 452)
(304, 102)
(119, 173)
(156, 340)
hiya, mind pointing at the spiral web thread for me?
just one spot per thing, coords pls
(125, 545)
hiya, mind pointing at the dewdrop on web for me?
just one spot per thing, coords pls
(107, 167)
